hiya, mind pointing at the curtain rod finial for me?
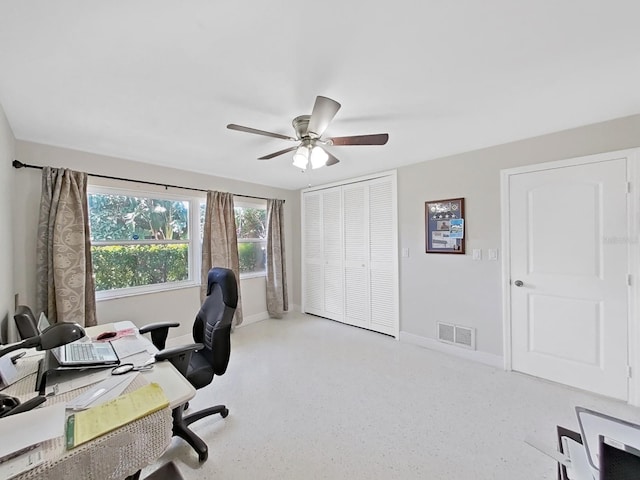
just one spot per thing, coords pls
(18, 164)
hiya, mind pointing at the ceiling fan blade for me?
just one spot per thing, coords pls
(323, 112)
(376, 139)
(281, 152)
(240, 128)
(331, 160)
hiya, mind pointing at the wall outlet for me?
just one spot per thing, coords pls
(493, 254)
(477, 254)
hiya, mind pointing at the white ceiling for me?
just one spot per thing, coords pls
(158, 80)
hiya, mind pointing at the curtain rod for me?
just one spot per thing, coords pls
(19, 164)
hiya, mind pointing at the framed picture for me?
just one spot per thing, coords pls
(444, 226)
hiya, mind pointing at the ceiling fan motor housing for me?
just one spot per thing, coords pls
(300, 125)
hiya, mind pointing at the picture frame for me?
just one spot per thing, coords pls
(444, 226)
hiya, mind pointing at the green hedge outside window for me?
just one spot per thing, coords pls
(122, 266)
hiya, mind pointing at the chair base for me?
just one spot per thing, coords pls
(181, 427)
(169, 471)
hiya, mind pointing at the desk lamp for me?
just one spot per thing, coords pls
(51, 337)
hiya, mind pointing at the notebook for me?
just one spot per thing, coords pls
(96, 421)
(79, 354)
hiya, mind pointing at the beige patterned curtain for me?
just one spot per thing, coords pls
(277, 302)
(220, 242)
(66, 290)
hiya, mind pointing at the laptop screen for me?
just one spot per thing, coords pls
(618, 461)
(43, 322)
(594, 424)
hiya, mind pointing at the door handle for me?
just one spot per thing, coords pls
(518, 283)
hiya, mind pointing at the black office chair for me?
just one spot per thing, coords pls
(209, 356)
(26, 322)
(168, 471)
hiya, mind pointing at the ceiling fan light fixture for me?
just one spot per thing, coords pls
(301, 157)
(318, 157)
(309, 133)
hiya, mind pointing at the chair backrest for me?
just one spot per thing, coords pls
(212, 326)
(26, 322)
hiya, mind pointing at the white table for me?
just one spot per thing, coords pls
(177, 388)
(122, 452)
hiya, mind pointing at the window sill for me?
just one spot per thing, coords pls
(147, 289)
(245, 276)
(143, 290)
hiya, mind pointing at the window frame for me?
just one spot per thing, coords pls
(244, 202)
(194, 244)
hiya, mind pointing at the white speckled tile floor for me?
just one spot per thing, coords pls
(314, 399)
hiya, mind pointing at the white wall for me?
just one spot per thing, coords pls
(454, 288)
(177, 305)
(450, 288)
(7, 150)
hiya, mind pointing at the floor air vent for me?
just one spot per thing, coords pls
(457, 335)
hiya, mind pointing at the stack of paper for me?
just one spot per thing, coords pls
(110, 388)
(96, 421)
(23, 433)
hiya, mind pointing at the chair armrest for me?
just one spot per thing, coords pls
(179, 356)
(159, 332)
(155, 326)
(169, 353)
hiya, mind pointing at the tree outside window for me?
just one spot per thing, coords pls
(251, 229)
(138, 240)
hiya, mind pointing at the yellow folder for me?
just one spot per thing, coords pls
(96, 421)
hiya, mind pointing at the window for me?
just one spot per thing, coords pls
(251, 227)
(251, 230)
(140, 242)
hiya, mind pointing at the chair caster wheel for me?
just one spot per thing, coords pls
(224, 413)
(186, 406)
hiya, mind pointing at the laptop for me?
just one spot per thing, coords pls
(595, 424)
(618, 461)
(43, 322)
(86, 354)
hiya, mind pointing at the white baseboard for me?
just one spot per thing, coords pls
(481, 357)
(256, 317)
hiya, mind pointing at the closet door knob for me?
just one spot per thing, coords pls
(518, 283)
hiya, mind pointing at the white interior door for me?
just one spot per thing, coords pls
(313, 257)
(383, 257)
(356, 258)
(569, 291)
(350, 252)
(333, 283)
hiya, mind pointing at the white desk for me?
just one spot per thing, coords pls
(177, 389)
(122, 452)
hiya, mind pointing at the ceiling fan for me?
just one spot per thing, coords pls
(309, 130)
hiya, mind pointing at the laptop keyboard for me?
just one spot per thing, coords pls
(82, 352)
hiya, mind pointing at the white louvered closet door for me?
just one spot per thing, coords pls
(350, 250)
(332, 253)
(356, 261)
(382, 257)
(313, 261)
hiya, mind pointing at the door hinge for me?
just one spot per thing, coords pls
(628, 187)
(629, 279)
(629, 371)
